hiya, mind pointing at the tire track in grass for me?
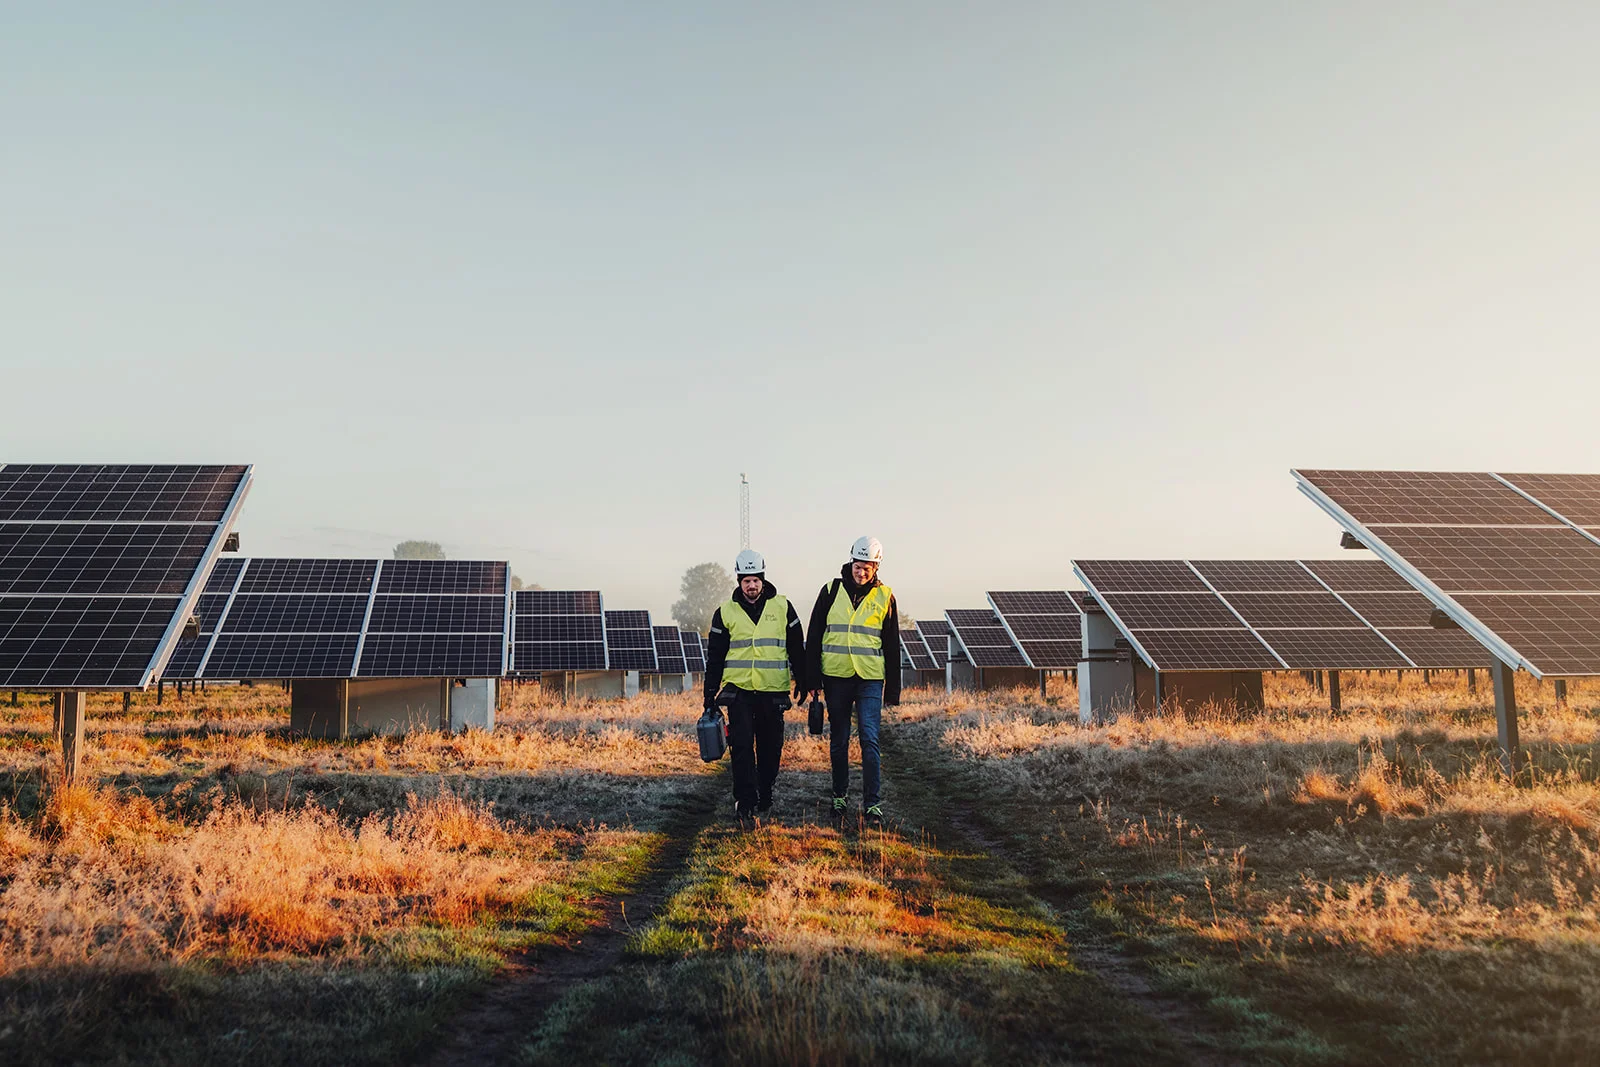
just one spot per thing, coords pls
(935, 791)
(491, 1028)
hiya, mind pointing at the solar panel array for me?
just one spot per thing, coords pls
(100, 565)
(915, 650)
(986, 642)
(556, 630)
(1044, 624)
(1513, 558)
(669, 651)
(935, 633)
(1272, 615)
(348, 618)
(630, 642)
(694, 651)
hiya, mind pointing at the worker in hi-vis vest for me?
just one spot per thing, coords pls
(854, 651)
(756, 651)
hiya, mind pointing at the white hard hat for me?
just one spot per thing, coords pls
(749, 562)
(867, 550)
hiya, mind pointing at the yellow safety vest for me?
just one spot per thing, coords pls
(758, 657)
(853, 645)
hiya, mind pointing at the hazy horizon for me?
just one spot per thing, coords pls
(1001, 289)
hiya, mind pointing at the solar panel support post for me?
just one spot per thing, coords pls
(70, 711)
(1334, 702)
(1561, 692)
(127, 700)
(1472, 680)
(1505, 710)
(161, 691)
(13, 698)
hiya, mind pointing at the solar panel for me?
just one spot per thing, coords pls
(1044, 625)
(330, 618)
(1509, 557)
(669, 651)
(1274, 614)
(1140, 576)
(1256, 576)
(630, 643)
(986, 642)
(694, 651)
(559, 630)
(1401, 615)
(1202, 650)
(915, 649)
(935, 634)
(101, 564)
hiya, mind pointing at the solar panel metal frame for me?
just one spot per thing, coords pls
(1022, 646)
(1379, 546)
(188, 601)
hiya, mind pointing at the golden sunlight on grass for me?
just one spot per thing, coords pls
(1280, 856)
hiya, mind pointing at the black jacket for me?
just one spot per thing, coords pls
(717, 643)
(890, 635)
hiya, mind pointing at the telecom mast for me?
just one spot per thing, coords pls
(744, 511)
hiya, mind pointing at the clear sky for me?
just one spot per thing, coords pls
(1001, 284)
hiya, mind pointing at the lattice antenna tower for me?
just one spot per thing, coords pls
(744, 511)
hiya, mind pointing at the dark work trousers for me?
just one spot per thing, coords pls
(865, 698)
(755, 743)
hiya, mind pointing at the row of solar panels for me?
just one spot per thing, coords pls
(1209, 615)
(1037, 629)
(100, 566)
(351, 618)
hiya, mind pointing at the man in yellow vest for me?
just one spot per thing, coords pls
(855, 657)
(756, 650)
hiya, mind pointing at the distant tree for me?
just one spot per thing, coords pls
(518, 583)
(705, 586)
(419, 550)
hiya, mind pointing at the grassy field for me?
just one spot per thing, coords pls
(1291, 887)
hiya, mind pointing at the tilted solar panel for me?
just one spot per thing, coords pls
(694, 651)
(1517, 570)
(1274, 614)
(936, 635)
(1044, 625)
(915, 650)
(100, 565)
(986, 642)
(329, 618)
(630, 642)
(669, 651)
(559, 630)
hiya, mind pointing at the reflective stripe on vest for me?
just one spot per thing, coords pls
(853, 644)
(757, 652)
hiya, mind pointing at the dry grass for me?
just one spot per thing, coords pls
(204, 840)
(1333, 870)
